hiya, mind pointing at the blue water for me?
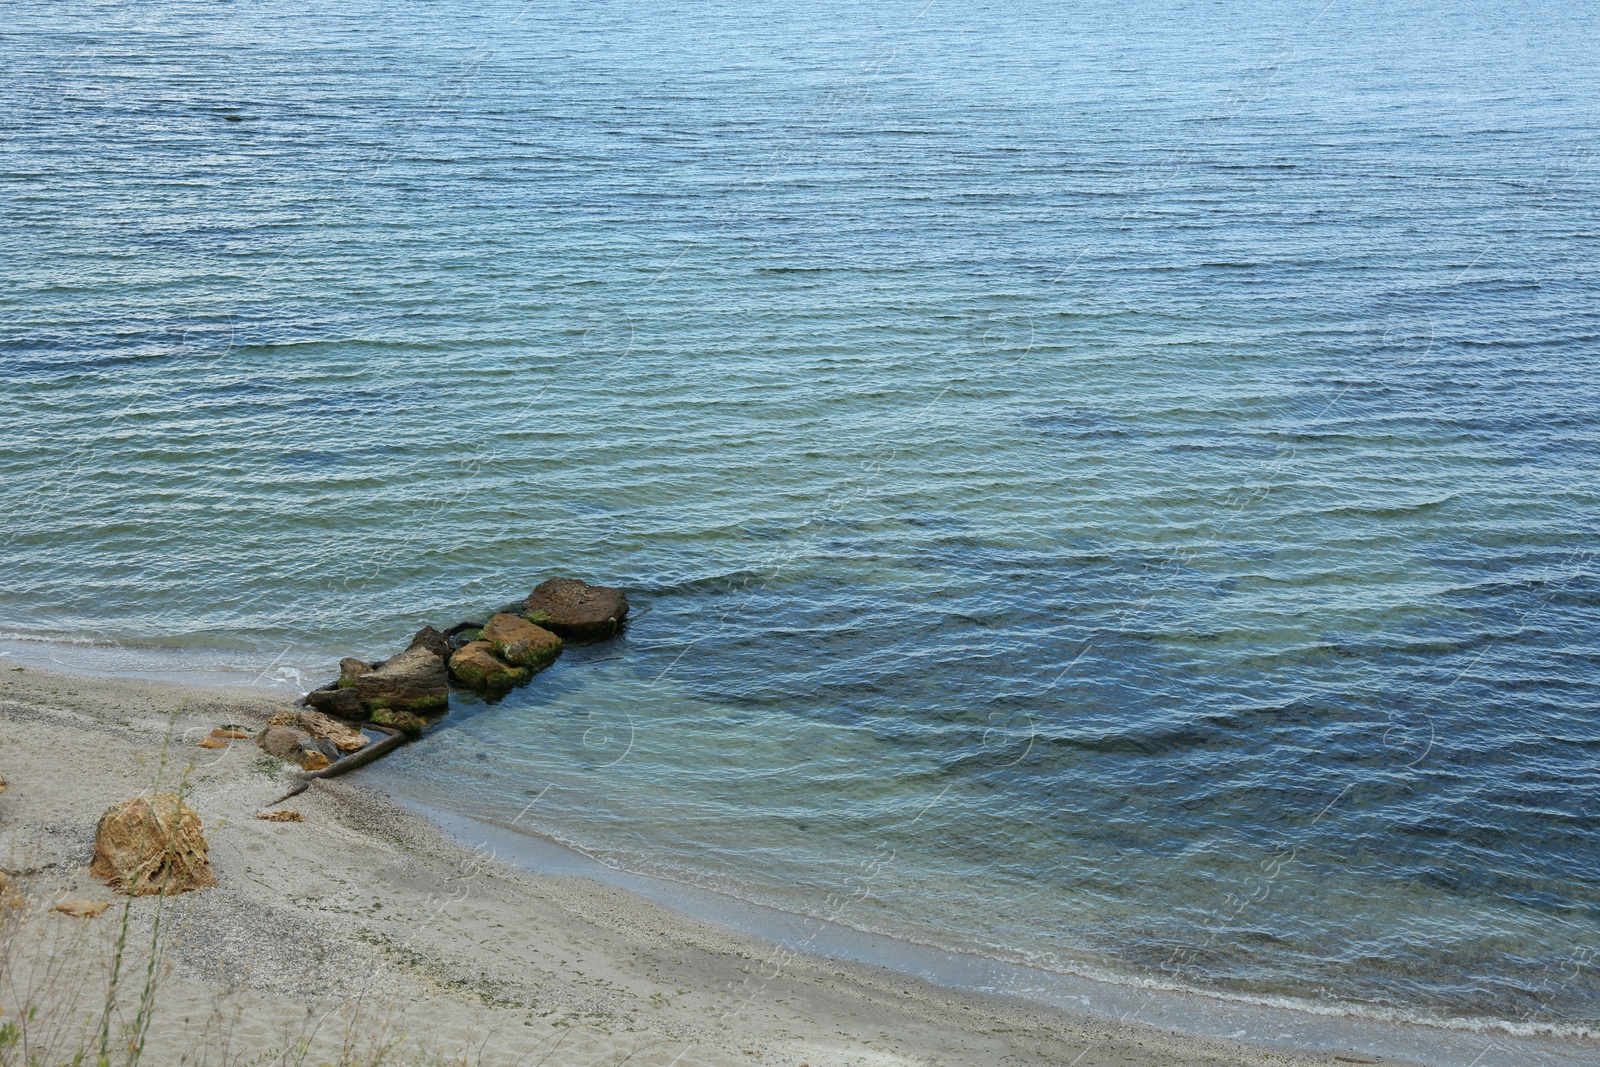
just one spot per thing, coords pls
(1108, 486)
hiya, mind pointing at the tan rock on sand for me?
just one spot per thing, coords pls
(151, 844)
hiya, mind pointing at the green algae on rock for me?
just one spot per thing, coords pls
(521, 643)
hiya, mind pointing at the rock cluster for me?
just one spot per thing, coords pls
(514, 645)
(309, 738)
(416, 681)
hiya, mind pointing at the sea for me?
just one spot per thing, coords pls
(1107, 488)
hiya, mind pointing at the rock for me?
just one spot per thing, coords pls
(350, 669)
(281, 815)
(282, 741)
(575, 609)
(344, 703)
(520, 643)
(2, 783)
(407, 723)
(82, 909)
(290, 717)
(228, 733)
(318, 725)
(433, 641)
(475, 665)
(212, 742)
(415, 680)
(312, 760)
(326, 749)
(151, 844)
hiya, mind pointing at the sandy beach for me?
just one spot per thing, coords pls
(364, 934)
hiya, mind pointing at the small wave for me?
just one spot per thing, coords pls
(1388, 511)
(57, 639)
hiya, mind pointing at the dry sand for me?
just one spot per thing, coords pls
(365, 927)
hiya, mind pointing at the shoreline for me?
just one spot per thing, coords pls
(1283, 1024)
(818, 997)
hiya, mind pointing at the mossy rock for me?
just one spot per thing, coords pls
(407, 723)
(520, 643)
(477, 667)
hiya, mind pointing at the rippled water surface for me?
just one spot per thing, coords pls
(1106, 485)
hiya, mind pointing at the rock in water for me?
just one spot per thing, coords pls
(407, 723)
(433, 641)
(521, 643)
(350, 669)
(320, 726)
(575, 609)
(282, 742)
(415, 680)
(150, 845)
(475, 665)
(345, 702)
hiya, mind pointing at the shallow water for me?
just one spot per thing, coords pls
(1106, 487)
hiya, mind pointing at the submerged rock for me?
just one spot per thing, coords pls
(463, 633)
(520, 643)
(576, 609)
(151, 844)
(407, 723)
(476, 665)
